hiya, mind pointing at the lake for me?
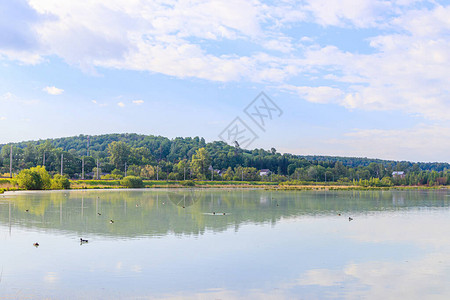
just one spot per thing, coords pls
(225, 244)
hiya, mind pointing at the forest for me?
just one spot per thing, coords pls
(112, 156)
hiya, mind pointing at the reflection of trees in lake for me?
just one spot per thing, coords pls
(190, 211)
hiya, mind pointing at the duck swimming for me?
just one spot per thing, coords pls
(83, 241)
(350, 219)
(36, 244)
(111, 221)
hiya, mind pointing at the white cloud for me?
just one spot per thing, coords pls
(94, 101)
(2, 118)
(407, 69)
(366, 13)
(53, 90)
(320, 94)
(138, 102)
(121, 104)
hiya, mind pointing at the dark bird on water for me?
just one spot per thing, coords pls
(350, 219)
(214, 212)
(36, 244)
(83, 241)
(111, 221)
(99, 214)
(26, 210)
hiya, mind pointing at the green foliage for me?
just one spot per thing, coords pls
(148, 172)
(245, 173)
(60, 183)
(132, 182)
(191, 158)
(111, 177)
(36, 178)
(119, 153)
(188, 183)
(200, 163)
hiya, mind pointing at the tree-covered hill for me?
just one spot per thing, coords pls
(151, 156)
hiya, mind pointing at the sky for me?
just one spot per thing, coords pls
(365, 78)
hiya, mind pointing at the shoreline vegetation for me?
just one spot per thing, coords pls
(138, 161)
(10, 184)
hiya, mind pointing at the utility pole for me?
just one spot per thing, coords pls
(157, 172)
(62, 159)
(184, 174)
(125, 169)
(82, 167)
(10, 162)
(242, 176)
(88, 142)
(97, 168)
(212, 173)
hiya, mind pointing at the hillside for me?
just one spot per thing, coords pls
(169, 155)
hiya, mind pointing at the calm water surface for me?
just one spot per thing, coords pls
(269, 245)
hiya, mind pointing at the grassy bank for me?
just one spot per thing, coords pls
(7, 184)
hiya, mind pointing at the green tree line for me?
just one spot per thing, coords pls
(157, 157)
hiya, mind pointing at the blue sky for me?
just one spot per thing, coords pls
(364, 78)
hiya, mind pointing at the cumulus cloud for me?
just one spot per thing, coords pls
(367, 13)
(121, 104)
(406, 68)
(53, 90)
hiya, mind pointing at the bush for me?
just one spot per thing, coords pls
(60, 183)
(36, 178)
(132, 182)
(188, 183)
(111, 176)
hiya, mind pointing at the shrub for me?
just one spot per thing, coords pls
(188, 183)
(132, 182)
(36, 178)
(111, 176)
(60, 183)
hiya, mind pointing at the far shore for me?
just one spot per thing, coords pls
(278, 186)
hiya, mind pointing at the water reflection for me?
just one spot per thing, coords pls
(158, 212)
(169, 244)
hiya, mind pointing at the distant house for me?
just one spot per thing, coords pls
(398, 174)
(264, 172)
(217, 171)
